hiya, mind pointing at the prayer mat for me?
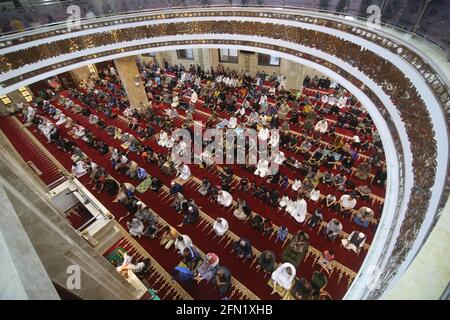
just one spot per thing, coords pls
(144, 185)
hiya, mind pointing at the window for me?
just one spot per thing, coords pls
(151, 54)
(268, 60)
(5, 100)
(26, 94)
(228, 55)
(185, 54)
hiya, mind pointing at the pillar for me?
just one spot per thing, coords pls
(131, 80)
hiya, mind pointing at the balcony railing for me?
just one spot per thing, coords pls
(424, 18)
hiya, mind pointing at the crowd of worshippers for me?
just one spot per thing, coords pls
(144, 122)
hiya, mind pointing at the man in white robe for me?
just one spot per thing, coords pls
(224, 198)
(220, 226)
(299, 210)
(283, 276)
(279, 157)
(182, 242)
(262, 168)
(184, 173)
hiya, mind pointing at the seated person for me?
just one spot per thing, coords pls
(333, 229)
(257, 222)
(364, 216)
(326, 261)
(185, 270)
(183, 172)
(168, 237)
(282, 233)
(355, 241)
(220, 226)
(364, 192)
(318, 282)
(283, 276)
(266, 261)
(301, 290)
(243, 249)
(183, 241)
(208, 268)
(205, 188)
(135, 228)
(191, 215)
(316, 218)
(268, 227)
(222, 280)
(347, 203)
(224, 198)
(262, 168)
(156, 184)
(242, 211)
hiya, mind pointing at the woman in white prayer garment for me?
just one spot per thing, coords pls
(224, 198)
(298, 210)
(297, 184)
(184, 173)
(163, 139)
(182, 242)
(135, 227)
(283, 276)
(220, 226)
(262, 168)
(78, 169)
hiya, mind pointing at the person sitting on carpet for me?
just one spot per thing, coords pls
(205, 188)
(243, 249)
(191, 215)
(316, 218)
(126, 191)
(364, 216)
(333, 229)
(224, 198)
(266, 261)
(208, 268)
(283, 276)
(242, 210)
(257, 222)
(182, 242)
(168, 237)
(132, 167)
(156, 184)
(282, 233)
(301, 290)
(355, 241)
(326, 262)
(220, 226)
(183, 172)
(262, 168)
(78, 169)
(185, 270)
(222, 280)
(135, 228)
(347, 203)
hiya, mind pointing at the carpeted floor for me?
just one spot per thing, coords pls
(244, 272)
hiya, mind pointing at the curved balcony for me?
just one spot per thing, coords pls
(406, 94)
